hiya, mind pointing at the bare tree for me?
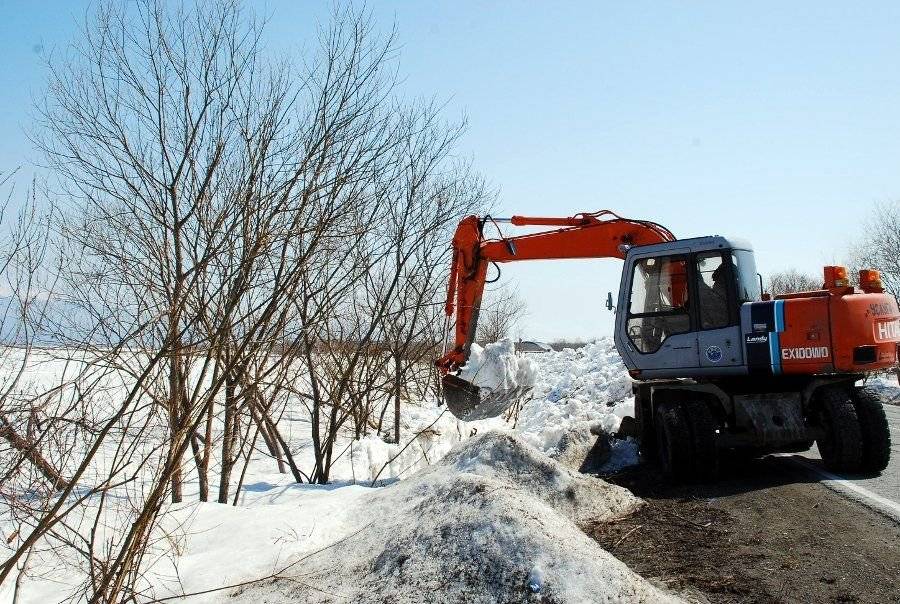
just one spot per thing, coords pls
(22, 253)
(500, 314)
(790, 281)
(238, 238)
(379, 330)
(879, 247)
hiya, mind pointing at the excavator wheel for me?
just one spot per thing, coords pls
(841, 446)
(674, 445)
(876, 434)
(702, 426)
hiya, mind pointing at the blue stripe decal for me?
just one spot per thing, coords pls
(779, 316)
(774, 339)
(775, 352)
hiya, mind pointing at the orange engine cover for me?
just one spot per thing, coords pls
(838, 331)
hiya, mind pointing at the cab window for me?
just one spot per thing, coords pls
(712, 290)
(658, 306)
(745, 276)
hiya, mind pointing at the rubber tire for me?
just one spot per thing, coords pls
(702, 426)
(648, 431)
(876, 434)
(841, 447)
(673, 442)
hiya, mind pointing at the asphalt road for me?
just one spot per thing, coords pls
(770, 530)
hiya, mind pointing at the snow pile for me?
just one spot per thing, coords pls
(498, 367)
(491, 520)
(573, 391)
(886, 385)
(576, 389)
(494, 521)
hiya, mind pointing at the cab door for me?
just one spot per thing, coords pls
(653, 322)
(718, 320)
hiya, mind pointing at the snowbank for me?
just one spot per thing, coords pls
(494, 521)
(576, 389)
(573, 390)
(492, 514)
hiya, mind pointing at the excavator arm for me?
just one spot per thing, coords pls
(597, 235)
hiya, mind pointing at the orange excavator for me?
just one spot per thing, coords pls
(717, 365)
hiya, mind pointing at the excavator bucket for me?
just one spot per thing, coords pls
(468, 402)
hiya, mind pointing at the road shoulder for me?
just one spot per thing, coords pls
(771, 533)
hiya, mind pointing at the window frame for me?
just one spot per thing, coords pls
(692, 309)
(730, 292)
(738, 284)
(687, 257)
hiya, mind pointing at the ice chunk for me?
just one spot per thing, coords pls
(498, 367)
(535, 580)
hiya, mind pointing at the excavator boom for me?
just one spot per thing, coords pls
(596, 235)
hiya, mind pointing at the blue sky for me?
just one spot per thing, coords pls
(779, 124)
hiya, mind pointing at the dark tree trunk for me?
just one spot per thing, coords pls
(174, 411)
(398, 385)
(228, 436)
(207, 452)
(260, 416)
(29, 450)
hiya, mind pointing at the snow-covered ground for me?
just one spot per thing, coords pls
(484, 511)
(499, 501)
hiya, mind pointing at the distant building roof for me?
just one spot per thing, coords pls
(530, 346)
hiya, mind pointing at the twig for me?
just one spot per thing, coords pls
(417, 434)
(275, 575)
(625, 536)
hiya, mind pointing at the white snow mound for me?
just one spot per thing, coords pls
(498, 367)
(494, 521)
(576, 389)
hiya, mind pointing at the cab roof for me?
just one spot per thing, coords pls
(695, 244)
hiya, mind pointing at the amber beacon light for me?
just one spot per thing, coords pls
(836, 277)
(870, 281)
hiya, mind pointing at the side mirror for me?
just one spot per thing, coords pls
(609, 304)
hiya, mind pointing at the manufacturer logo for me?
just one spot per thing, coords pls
(809, 352)
(760, 327)
(714, 354)
(880, 309)
(888, 330)
(762, 338)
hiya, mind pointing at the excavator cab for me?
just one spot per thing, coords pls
(679, 310)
